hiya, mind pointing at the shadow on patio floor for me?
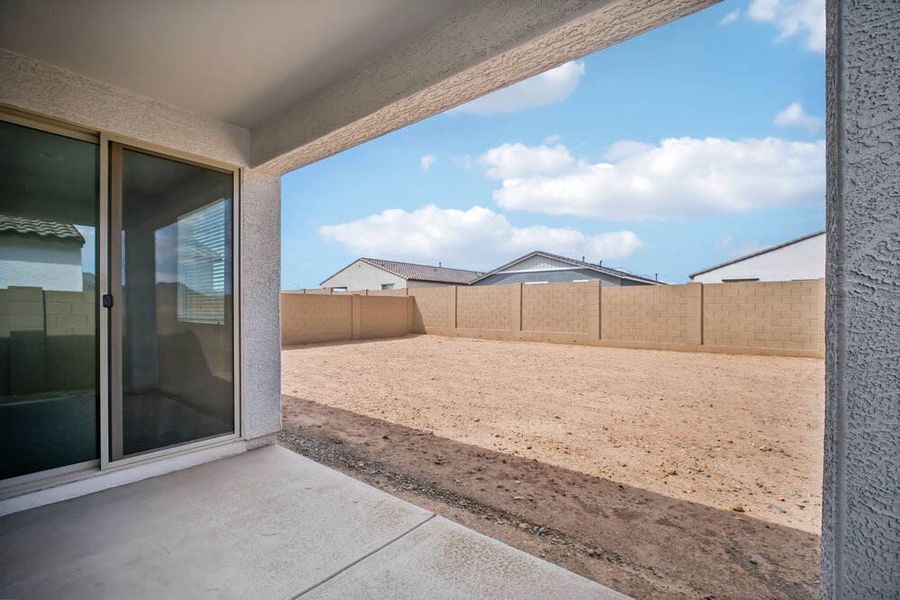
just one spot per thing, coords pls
(637, 542)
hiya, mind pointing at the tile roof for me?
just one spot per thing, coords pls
(576, 263)
(25, 226)
(424, 272)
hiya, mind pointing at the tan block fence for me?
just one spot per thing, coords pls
(785, 318)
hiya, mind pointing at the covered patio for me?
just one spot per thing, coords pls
(265, 524)
(136, 455)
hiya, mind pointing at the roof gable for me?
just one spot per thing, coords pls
(535, 262)
(533, 259)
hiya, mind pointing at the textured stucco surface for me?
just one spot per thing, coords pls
(260, 288)
(861, 518)
(35, 86)
(473, 51)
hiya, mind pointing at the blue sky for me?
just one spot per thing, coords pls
(686, 146)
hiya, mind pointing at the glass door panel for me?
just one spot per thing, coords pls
(171, 325)
(49, 397)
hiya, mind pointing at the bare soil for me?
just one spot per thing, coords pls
(661, 474)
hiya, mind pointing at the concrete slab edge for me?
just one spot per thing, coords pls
(364, 557)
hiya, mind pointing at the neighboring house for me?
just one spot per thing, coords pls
(141, 112)
(377, 274)
(41, 254)
(544, 267)
(802, 258)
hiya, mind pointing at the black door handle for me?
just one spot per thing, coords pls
(107, 301)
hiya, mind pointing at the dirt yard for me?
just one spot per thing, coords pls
(662, 474)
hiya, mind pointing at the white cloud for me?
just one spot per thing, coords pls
(553, 138)
(730, 17)
(549, 87)
(680, 177)
(477, 238)
(519, 160)
(427, 161)
(625, 148)
(804, 18)
(795, 116)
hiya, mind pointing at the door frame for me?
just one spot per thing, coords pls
(15, 486)
(110, 144)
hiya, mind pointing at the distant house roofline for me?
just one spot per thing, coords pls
(575, 263)
(38, 227)
(415, 271)
(802, 238)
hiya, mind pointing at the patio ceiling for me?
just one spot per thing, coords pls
(238, 61)
(303, 80)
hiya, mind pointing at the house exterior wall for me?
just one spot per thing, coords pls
(36, 87)
(861, 500)
(415, 283)
(44, 263)
(359, 275)
(802, 260)
(554, 276)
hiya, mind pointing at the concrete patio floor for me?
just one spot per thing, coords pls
(265, 524)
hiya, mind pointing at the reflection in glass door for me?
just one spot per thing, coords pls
(49, 398)
(171, 325)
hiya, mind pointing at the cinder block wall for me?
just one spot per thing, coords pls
(309, 318)
(382, 317)
(778, 314)
(561, 308)
(489, 307)
(434, 309)
(47, 340)
(760, 318)
(666, 314)
(317, 317)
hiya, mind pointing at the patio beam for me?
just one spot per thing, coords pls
(487, 46)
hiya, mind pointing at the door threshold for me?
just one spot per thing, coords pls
(90, 481)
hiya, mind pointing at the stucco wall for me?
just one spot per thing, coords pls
(556, 276)
(861, 516)
(32, 262)
(803, 260)
(358, 276)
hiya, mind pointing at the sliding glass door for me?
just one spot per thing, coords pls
(49, 393)
(117, 302)
(171, 320)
